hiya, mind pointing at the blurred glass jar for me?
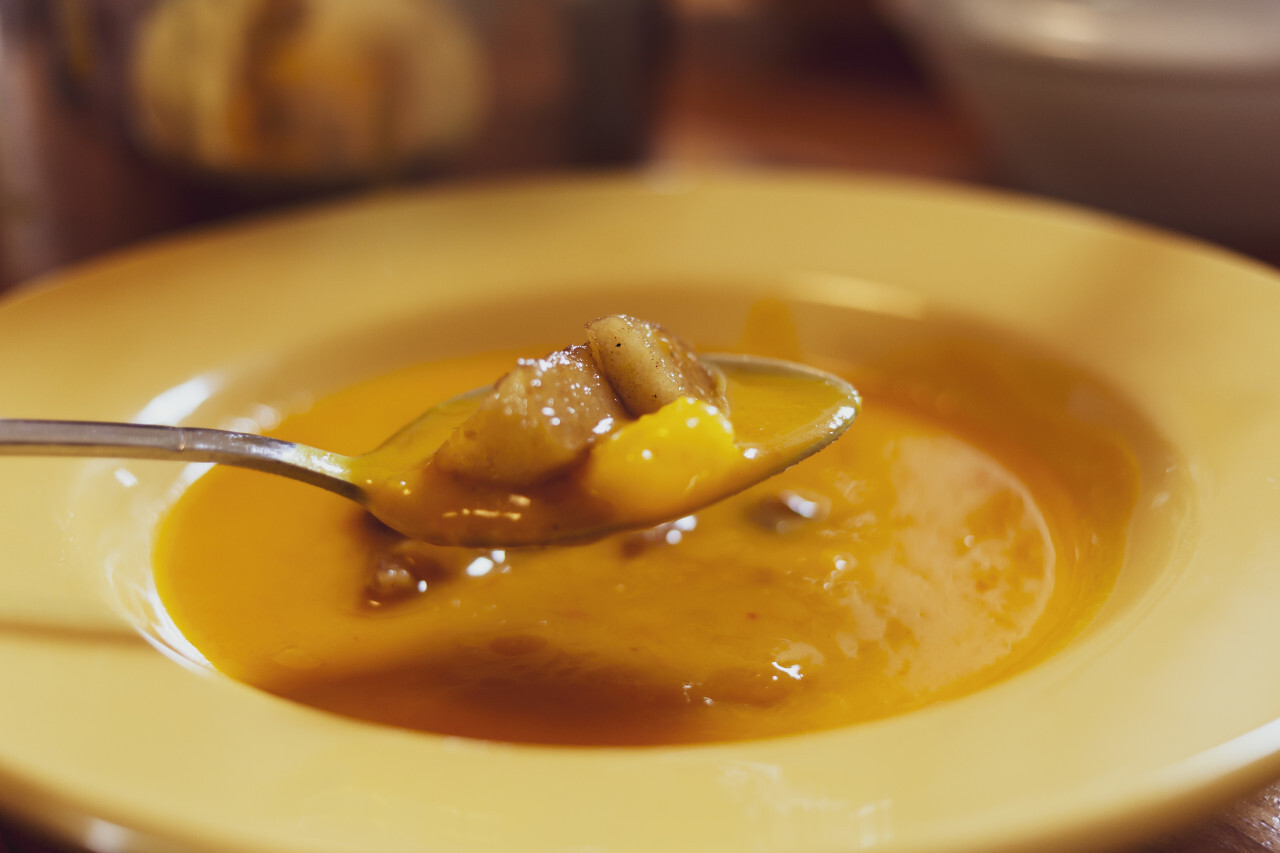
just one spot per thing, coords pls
(123, 118)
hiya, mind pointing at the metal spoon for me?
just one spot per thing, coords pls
(482, 516)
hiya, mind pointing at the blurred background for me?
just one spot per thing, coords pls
(120, 119)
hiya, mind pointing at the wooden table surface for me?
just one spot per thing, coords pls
(739, 95)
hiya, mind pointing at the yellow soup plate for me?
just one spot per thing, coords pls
(1163, 707)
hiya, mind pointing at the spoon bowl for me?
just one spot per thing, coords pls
(782, 411)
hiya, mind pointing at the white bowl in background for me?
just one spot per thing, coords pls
(1166, 110)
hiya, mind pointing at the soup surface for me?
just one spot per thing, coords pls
(937, 547)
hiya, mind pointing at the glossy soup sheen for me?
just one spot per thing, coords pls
(944, 543)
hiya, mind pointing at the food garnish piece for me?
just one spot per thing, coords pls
(788, 510)
(544, 416)
(539, 419)
(650, 367)
(683, 453)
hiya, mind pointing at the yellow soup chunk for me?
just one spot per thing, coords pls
(666, 459)
(914, 560)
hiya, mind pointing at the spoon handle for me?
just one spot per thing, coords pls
(183, 444)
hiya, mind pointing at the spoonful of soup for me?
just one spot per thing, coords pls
(628, 430)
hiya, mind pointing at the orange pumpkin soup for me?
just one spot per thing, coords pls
(918, 558)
